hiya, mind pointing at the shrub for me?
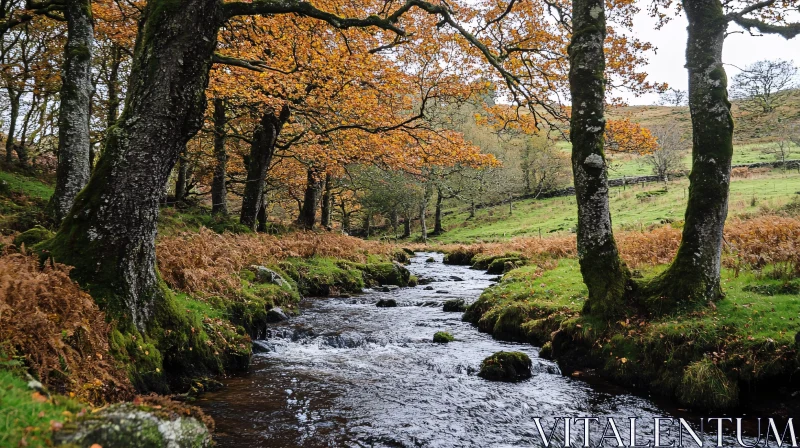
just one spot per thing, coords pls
(705, 385)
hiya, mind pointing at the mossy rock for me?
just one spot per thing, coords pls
(483, 261)
(129, 426)
(454, 306)
(460, 256)
(506, 366)
(413, 281)
(430, 260)
(443, 337)
(546, 352)
(502, 265)
(387, 274)
(705, 386)
(33, 236)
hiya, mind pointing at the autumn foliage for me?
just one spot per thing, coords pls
(57, 330)
(206, 262)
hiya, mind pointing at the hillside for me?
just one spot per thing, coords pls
(634, 208)
(750, 127)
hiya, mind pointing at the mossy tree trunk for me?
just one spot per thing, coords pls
(219, 192)
(603, 271)
(262, 149)
(327, 202)
(406, 226)
(308, 213)
(262, 215)
(109, 235)
(13, 116)
(694, 275)
(74, 143)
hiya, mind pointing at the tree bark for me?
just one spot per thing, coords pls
(262, 215)
(14, 99)
(345, 218)
(308, 214)
(109, 235)
(262, 149)
(694, 275)
(74, 142)
(406, 227)
(327, 202)
(603, 271)
(183, 177)
(437, 215)
(113, 88)
(422, 224)
(219, 192)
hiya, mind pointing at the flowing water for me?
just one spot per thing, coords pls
(348, 373)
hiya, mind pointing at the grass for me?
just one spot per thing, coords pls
(26, 417)
(30, 186)
(530, 216)
(698, 357)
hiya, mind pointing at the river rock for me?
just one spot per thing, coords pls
(267, 275)
(130, 426)
(506, 366)
(430, 260)
(276, 315)
(386, 303)
(389, 288)
(424, 280)
(456, 278)
(428, 288)
(442, 291)
(454, 305)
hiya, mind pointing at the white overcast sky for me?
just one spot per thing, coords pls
(739, 50)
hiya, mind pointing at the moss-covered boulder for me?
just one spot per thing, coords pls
(130, 426)
(33, 236)
(461, 256)
(413, 281)
(443, 337)
(454, 306)
(392, 273)
(506, 366)
(503, 265)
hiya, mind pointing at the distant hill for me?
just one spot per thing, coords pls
(750, 127)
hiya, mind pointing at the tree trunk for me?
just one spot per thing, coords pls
(437, 215)
(13, 98)
(423, 225)
(219, 193)
(345, 218)
(327, 198)
(694, 275)
(262, 215)
(406, 227)
(109, 235)
(367, 223)
(262, 149)
(308, 214)
(471, 210)
(74, 142)
(182, 180)
(113, 88)
(603, 271)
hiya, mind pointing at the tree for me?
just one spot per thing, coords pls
(667, 157)
(219, 193)
(787, 144)
(693, 278)
(603, 271)
(759, 85)
(673, 97)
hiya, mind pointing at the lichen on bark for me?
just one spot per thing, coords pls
(603, 271)
(693, 278)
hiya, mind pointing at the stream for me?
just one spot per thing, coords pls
(347, 373)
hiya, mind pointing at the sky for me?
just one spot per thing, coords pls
(740, 50)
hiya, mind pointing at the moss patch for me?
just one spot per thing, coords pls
(443, 337)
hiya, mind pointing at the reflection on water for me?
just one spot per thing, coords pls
(347, 373)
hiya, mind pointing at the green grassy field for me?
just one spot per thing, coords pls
(631, 208)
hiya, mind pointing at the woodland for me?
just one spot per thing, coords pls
(163, 156)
